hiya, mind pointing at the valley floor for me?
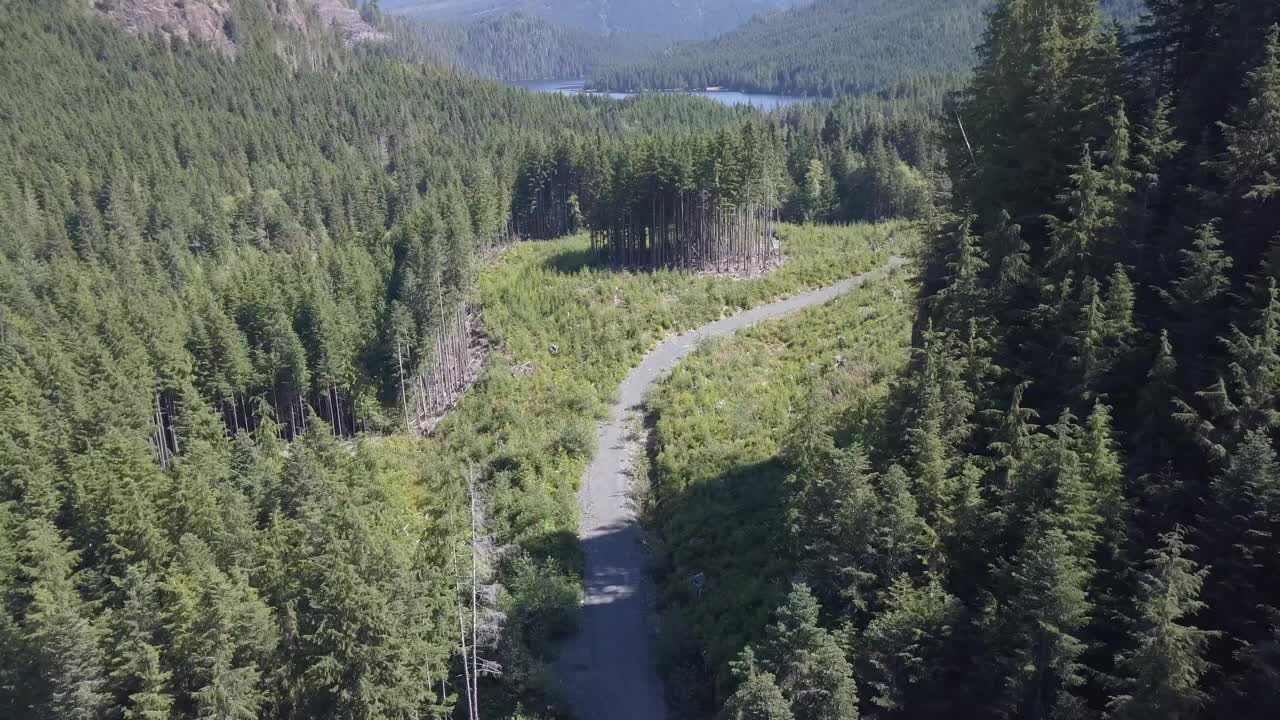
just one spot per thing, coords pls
(715, 503)
(610, 670)
(565, 333)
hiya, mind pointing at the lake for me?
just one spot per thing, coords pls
(759, 101)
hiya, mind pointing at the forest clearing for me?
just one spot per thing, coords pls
(564, 332)
(324, 349)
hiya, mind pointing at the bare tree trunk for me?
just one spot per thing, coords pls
(475, 620)
(462, 635)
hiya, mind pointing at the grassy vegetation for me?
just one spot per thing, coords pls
(565, 334)
(716, 502)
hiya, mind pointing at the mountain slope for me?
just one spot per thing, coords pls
(516, 46)
(203, 262)
(681, 18)
(212, 23)
(830, 47)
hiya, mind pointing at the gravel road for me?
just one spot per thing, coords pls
(608, 671)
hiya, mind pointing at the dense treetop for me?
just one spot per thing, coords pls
(1067, 506)
(214, 274)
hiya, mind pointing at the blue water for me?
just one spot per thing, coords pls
(761, 102)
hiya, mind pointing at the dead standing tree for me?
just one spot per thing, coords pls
(479, 620)
(446, 374)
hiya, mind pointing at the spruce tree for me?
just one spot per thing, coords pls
(137, 669)
(1119, 301)
(903, 647)
(1247, 397)
(902, 541)
(1090, 205)
(1102, 470)
(1154, 441)
(811, 668)
(1157, 145)
(757, 696)
(1014, 439)
(1204, 277)
(1045, 609)
(966, 296)
(926, 443)
(60, 642)
(832, 517)
(1236, 534)
(1251, 163)
(1092, 358)
(1163, 670)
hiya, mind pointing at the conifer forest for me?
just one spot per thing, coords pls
(314, 335)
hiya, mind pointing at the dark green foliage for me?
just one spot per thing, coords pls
(1095, 369)
(758, 696)
(215, 274)
(827, 47)
(1164, 668)
(902, 648)
(812, 672)
(1106, 300)
(1038, 629)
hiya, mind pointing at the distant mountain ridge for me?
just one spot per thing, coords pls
(680, 18)
(515, 46)
(828, 47)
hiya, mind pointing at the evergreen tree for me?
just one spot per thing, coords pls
(1154, 439)
(965, 296)
(812, 671)
(903, 647)
(1251, 163)
(1203, 282)
(757, 696)
(817, 192)
(1156, 145)
(1015, 438)
(903, 541)
(60, 642)
(1248, 397)
(832, 518)
(1163, 671)
(1045, 610)
(1091, 207)
(1237, 531)
(136, 663)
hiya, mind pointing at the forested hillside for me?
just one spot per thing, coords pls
(828, 48)
(686, 19)
(248, 276)
(215, 274)
(1082, 449)
(235, 286)
(511, 46)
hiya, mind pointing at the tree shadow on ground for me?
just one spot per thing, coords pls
(606, 670)
(720, 561)
(570, 262)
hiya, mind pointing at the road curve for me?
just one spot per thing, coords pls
(608, 671)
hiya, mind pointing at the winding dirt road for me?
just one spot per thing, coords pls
(608, 671)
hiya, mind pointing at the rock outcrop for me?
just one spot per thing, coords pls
(212, 22)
